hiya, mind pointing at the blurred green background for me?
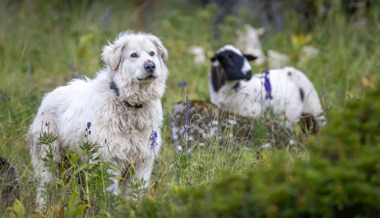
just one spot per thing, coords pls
(45, 44)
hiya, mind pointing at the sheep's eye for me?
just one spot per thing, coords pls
(133, 55)
(151, 53)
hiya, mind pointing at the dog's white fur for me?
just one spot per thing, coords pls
(250, 98)
(124, 134)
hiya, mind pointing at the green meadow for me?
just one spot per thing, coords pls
(45, 44)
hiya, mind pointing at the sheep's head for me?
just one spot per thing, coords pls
(229, 63)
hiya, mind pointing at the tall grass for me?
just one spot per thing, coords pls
(45, 44)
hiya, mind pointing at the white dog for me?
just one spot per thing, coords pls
(287, 91)
(121, 107)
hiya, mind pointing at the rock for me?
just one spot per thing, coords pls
(202, 122)
(199, 54)
(9, 188)
(277, 59)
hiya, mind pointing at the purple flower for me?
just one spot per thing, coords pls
(4, 96)
(153, 138)
(88, 131)
(182, 84)
(268, 87)
(72, 67)
(106, 18)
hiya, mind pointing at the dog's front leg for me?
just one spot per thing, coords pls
(140, 178)
(114, 188)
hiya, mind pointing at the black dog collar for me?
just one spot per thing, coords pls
(114, 87)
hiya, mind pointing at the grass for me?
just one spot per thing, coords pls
(44, 45)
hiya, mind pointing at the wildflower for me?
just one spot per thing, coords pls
(4, 96)
(182, 84)
(88, 131)
(267, 85)
(176, 188)
(261, 155)
(106, 19)
(72, 67)
(153, 138)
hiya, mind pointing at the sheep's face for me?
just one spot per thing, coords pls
(229, 63)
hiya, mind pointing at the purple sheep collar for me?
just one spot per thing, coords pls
(267, 85)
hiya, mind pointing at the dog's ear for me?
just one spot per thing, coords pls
(160, 47)
(250, 57)
(112, 54)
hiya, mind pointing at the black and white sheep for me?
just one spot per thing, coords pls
(286, 93)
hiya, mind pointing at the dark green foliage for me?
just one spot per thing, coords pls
(82, 173)
(340, 179)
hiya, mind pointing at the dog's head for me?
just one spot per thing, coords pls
(136, 59)
(229, 63)
(140, 55)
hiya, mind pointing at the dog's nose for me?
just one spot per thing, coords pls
(149, 66)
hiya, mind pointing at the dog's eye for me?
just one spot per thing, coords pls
(151, 53)
(133, 55)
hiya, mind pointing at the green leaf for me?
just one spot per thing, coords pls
(73, 201)
(105, 213)
(18, 209)
(81, 168)
(79, 210)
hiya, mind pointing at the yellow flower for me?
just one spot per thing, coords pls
(209, 54)
(262, 155)
(299, 41)
(368, 81)
(176, 188)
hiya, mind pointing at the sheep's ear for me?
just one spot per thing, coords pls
(250, 57)
(261, 31)
(218, 77)
(160, 47)
(214, 58)
(112, 55)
